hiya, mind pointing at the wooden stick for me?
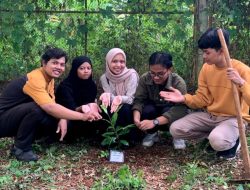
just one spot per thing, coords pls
(243, 140)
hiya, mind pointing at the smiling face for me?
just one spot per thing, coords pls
(117, 64)
(54, 67)
(84, 71)
(159, 73)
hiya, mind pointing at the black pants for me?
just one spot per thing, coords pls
(22, 122)
(151, 111)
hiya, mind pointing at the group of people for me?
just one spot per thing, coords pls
(157, 100)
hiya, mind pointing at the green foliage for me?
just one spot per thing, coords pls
(5, 180)
(191, 173)
(217, 179)
(234, 16)
(104, 154)
(113, 137)
(55, 160)
(139, 27)
(25, 31)
(122, 179)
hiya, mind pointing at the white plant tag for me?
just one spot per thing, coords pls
(116, 156)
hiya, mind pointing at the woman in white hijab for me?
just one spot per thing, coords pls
(118, 82)
(119, 85)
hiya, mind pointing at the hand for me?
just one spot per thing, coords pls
(137, 123)
(115, 104)
(91, 116)
(94, 107)
(146, 124)
(105, 98)
(174, 96)
(62, 127)
(85, 108)
(235, 77)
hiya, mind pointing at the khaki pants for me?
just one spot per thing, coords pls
(222, 132)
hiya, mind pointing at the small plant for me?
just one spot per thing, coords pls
(114, 134)
(122, 179)
(192, 174)
(104, 154)
(221, 181)
(5, 180)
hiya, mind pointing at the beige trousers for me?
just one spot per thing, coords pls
(222, 132)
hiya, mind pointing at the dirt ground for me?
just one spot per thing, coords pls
(163, 167)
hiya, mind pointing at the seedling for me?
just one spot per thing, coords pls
(114, 135)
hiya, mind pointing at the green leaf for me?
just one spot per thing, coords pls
(123, 131)
(104, 109)
(114, 118)
(130, 126)
(124, 142)
(106, 121)
(108, 134)
(106, 142)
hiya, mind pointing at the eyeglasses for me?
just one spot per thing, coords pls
(160, 75)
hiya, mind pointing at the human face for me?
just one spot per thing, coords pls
(54, 67)
(84, 71)
(159, 73)
(213, 56)
(117, 64)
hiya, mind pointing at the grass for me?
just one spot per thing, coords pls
(83, 166)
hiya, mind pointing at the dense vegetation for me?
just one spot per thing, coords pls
(93, 27)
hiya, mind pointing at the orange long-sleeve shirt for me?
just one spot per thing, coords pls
(215, 92)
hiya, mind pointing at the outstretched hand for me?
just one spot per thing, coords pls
(173, 96)
(105, 98)
(91, 116)
(115, 104)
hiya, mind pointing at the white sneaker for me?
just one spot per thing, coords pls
(179, 144)
(150, 139)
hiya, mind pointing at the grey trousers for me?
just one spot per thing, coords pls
(222, 132)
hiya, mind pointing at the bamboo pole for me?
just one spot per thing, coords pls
(243, 140)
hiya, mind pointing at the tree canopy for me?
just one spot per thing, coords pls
(93, 27)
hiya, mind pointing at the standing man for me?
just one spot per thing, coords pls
(29, 102)
(218, 121)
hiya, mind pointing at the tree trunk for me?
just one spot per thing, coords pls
(200, 26)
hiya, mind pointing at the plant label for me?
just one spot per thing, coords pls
(116, 156)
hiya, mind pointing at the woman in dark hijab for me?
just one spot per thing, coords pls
(78, 92)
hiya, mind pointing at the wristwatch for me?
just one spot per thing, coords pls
(156, 122)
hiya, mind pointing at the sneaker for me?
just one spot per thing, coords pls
(150, 139)
(21, 155)
(179, 144)
(230, 153)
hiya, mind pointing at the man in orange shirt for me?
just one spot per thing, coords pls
(218, 121)
(29, 102)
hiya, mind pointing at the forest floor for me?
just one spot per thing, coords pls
(83, 164)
